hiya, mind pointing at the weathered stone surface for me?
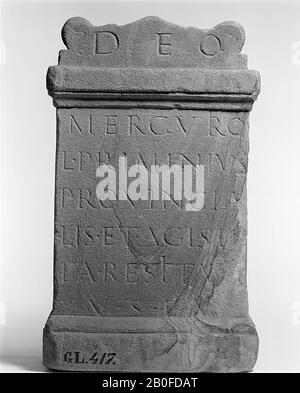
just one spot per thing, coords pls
(152, 284)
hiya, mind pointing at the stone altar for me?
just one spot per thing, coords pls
(150, 199)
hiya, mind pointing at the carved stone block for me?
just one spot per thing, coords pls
(150, 201)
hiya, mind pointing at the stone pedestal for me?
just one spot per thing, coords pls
(147, 278)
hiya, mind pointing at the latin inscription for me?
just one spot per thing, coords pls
(164, 43)
(162, 272)
(111, 249)
(207, 124)
(75, 235)
(108, 42)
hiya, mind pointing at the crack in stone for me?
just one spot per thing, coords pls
(186, 302)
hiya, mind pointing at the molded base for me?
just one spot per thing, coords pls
(142, 344)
